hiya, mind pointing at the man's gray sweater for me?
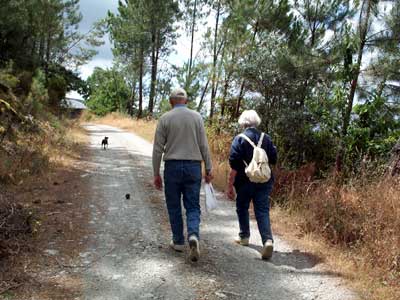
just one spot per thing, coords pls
(180, 135)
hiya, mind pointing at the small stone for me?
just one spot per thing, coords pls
(220, 295)
(51, 252)
(117, 276)
(127, 196)
(147, 296)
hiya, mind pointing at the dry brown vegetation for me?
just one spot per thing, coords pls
(32, 153)
(26, 167)
(142, 127)
(359, 219)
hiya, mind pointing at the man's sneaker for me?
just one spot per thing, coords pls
(267, 250)
(242, 241)
(194, 253)
(178, 248)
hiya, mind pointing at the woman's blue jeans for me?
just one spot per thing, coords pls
(182, 181)
(259, 193)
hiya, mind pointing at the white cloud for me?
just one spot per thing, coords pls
(87, 70)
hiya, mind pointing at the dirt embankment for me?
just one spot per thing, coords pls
(46, 219)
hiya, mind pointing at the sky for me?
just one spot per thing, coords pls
(94, 10)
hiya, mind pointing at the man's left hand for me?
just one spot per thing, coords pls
(158, 182)
(208, 177)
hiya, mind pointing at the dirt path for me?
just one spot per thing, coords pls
(128, 256)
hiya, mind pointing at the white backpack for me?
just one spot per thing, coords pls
(258, 169)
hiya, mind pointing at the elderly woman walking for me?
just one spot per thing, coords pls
(247, 190)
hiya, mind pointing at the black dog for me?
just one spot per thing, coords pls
(104, 143)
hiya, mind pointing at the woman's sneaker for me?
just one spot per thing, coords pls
(178, 248)
(194, 253)
(242, 241)
(267, 250)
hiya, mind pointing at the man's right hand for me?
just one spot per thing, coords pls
(230, 192)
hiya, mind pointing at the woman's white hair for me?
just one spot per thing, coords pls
(249, 118)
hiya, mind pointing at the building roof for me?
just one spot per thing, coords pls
(75, 103)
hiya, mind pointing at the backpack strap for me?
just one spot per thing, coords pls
(260, 141)
(247, 139)
(250, 142)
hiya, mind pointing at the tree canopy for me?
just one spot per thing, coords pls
(323, 74)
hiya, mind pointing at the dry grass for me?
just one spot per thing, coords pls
(359, 223)
(219, 147)
(69, 145)
(361, 219)
(143, 128)
(32, 153)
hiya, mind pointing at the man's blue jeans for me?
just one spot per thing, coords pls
(259, 193)
(183, 178)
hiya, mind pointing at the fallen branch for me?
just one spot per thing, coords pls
(11, 287)
(84, 266)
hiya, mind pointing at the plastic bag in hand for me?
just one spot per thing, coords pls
(211, 200)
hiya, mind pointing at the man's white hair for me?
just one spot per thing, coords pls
(249, 118)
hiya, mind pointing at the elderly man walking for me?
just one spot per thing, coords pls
(181, 137)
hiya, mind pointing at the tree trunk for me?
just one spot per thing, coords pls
(131, 101)
(41, 48)
(141, 58)
(215, 58)
(156, 74)
(239, 100)
(226, 87)
(189, 75)
(241, 93)
(47, 59)
(153, 83)
(363, 29)
(394, 164)
(203, 95)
